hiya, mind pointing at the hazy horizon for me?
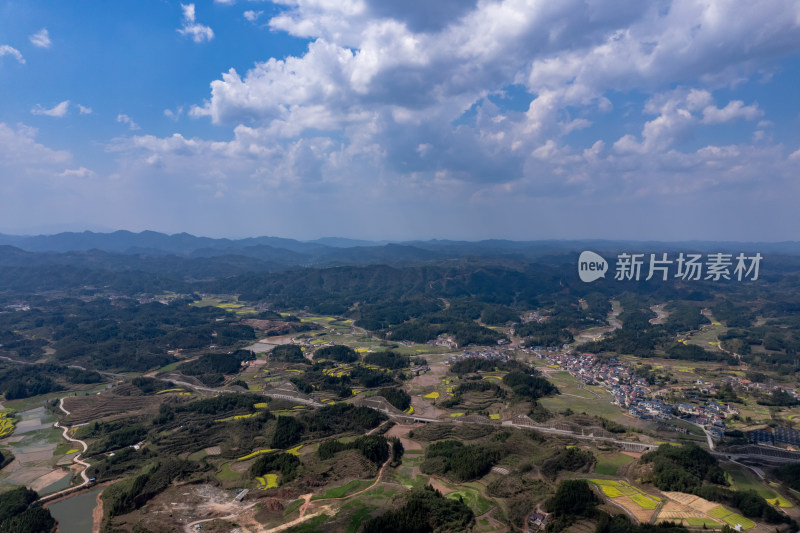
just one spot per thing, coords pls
(392, 241)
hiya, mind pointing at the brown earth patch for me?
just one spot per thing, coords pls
(641, 515)
(438, 485)
(48, 479)
(401, 432)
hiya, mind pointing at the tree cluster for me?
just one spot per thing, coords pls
(458, 461)
(425, 511)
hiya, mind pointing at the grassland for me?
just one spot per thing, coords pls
(743, 479)
(340, 492)
(473, 499)
(226, 474)
(608, 464)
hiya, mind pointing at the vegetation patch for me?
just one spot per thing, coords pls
(731, 518)
(473, 499)
(255, 453)
(608, 464)
(267, 481)
(340, 492)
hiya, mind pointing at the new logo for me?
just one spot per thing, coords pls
(591, 266)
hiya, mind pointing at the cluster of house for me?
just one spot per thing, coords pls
(628, 390)
(441, 340)
(634, 393)
(764, 388)
(482, 354)
(711, 415)
(536, 521)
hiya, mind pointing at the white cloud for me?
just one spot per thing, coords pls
(19, 150)
(252, 15)
(225, 2)
(125, 119)
(389, 98)
(84, 110)
(733, 111)
(57, 111)
(13, 52)
(680, 112)
(198, 32)
(81, 172)
(41, 38)
(174, 115)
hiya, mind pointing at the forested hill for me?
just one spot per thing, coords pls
(333, 251)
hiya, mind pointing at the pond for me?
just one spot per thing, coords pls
(74, 514)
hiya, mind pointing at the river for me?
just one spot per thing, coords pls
(74, 514)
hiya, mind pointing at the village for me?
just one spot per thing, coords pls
(636, 395)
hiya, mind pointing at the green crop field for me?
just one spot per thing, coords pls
(731, 518)
(702, 522)
(608, 464)
(615, 489)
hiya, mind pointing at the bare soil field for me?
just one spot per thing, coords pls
(401, 431)
(643, 516)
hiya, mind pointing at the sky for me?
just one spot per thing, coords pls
(381, 119)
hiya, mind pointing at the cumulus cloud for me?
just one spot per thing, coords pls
(733, 111)
(487, 97)
(6, 50)
(125, 119)
(41, 38)
(680, 112)
(84, 110)
(57, 111)
(198, 32)
(252, 15)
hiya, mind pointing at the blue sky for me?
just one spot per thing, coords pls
(466, 119)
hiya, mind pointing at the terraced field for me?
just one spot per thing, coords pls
(693, 511)
(731, 518)
(635, 501)
(84, 409)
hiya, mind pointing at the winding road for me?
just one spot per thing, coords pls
(77, 459)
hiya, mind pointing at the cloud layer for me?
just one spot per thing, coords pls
(481, 116)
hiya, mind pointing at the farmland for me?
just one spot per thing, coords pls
(635, 501)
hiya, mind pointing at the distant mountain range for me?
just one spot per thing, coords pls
(158, 252)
